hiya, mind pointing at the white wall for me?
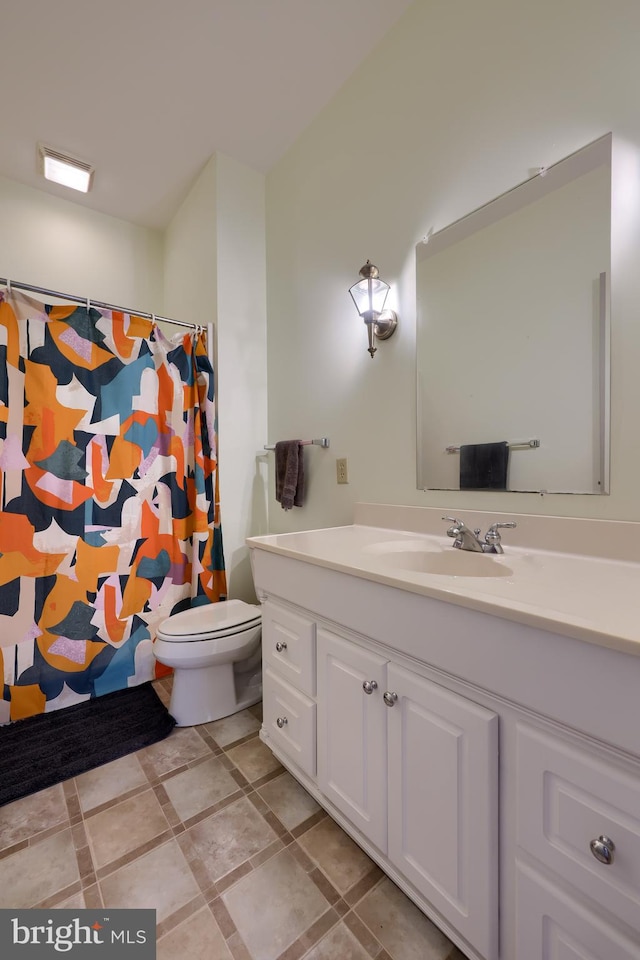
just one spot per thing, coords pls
(462, 101)
(215, 272)
(63, 246)
(242, 365)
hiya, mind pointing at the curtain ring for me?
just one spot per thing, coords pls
(8, 287)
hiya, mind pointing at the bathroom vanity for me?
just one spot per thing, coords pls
(472, 721)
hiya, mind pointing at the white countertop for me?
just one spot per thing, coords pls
(585, 597)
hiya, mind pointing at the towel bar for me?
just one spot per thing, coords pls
(510, 444)
(320, 442)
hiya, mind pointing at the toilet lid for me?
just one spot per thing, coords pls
(212, 619)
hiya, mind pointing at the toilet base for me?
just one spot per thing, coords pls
(210, 693)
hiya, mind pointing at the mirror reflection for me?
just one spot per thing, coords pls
(513, 337)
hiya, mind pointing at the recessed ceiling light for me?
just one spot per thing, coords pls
(61, 168)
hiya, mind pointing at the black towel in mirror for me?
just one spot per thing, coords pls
(483, 466)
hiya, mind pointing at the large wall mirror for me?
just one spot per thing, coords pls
(513, 337)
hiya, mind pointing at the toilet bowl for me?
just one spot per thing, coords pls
(215, 653)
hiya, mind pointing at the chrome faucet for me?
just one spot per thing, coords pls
(466, 539)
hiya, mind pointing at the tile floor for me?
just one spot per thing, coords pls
(208, 828)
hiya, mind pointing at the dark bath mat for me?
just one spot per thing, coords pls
(40, 751)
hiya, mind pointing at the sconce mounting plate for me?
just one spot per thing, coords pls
(385, 324)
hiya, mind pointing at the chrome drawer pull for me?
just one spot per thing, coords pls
(603, 849)
(280, 722)
(389, 698)
(280, 646)
(369, 686)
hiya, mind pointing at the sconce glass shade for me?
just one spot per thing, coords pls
(369, 295)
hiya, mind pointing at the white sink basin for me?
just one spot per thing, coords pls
(414, 555)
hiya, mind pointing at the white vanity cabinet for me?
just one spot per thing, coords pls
(479, 760)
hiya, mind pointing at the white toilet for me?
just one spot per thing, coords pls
(216, 655)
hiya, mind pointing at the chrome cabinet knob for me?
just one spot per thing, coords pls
(389, 698)
(281, 645)
(369, 686)
(280, 722)
(603, 849)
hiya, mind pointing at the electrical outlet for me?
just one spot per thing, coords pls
(341, 470)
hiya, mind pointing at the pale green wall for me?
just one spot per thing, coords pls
(461, 101)
(60, 245)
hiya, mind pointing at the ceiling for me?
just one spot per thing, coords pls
(147, 90)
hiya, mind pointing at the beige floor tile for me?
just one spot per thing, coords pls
(198, 938)
(402, 929)
(254, 759)
(343, 862)
(76, 902)
(274, 905)
(233, 728)
(109, 781)
(225, 840)
(30, 815)
(199, 787)
(181, 746)
(256, 710)
(124, 827)
(37, 872)
(160, 880)
(289, 801)
(339, 944)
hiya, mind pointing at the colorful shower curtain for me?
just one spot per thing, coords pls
(109, 513)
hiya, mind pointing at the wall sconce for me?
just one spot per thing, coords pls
(369, 295)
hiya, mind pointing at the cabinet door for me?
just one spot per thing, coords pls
(554, 926)
(443, 802)
(352, 735)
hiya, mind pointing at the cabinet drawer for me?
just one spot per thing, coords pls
(290, 719)
(289, 645)
(554, 926)
(568, 796)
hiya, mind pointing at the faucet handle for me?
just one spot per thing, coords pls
(496, 526)
(455, 521)
(492, 537)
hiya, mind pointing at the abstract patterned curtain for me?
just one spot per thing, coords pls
(109, 513)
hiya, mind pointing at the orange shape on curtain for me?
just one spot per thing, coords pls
(101, 487)
(125, 340)
(124, 459)
(94, 562)
(115, 627)
(137, 594)
(9, 320)
(26, 701)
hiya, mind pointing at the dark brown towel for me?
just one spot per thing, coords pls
(289, 474)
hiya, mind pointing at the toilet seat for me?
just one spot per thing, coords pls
(209, 621)
(215, 651)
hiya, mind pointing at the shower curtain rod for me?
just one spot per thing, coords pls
(96, 303)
